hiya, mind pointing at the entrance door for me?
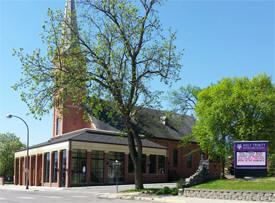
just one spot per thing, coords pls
(63, 168)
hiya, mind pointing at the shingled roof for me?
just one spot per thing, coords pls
(153, 123)
(95, 136)
(163, 124)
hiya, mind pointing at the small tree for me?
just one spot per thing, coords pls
(9, 144)
(114, 53)
(185, 99)
(235, 109)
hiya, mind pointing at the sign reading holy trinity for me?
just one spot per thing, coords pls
(250, 158)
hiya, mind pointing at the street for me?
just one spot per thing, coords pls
(18, 194)
(7, 196)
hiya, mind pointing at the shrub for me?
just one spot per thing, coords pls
(180, 183)
(167, 191)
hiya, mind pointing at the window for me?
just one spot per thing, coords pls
(79, 158)
(55, 166)
(152, 168)
(97, 166)
(189, 160)
(57, 126)
(46, 167)
(143, 163)
(175, 158)
(113, 156)
(131, 164)
(63, 167)
(161, 160)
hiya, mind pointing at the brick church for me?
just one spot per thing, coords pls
(82, 152)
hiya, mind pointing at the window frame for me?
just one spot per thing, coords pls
(47, 160)
(175, 158)
(54, 166)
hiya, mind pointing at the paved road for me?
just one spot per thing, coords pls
(18, 194)
(8, 196)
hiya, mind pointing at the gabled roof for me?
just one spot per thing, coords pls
(152, 123)
(165, 125)
(95, 136)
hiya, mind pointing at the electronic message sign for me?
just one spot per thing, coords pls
(250, 155)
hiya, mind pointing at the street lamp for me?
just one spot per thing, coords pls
(27, 167)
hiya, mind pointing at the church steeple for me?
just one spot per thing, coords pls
(69, 35)
(72, 119)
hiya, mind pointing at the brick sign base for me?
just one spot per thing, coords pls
(2, 180)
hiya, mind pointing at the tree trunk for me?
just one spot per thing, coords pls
(222, 158)
(138, 174)
(135, 148)
(222, 176)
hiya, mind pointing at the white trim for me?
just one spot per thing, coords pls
(89, 146)
(44, 149)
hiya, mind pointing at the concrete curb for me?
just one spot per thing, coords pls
(136, 196)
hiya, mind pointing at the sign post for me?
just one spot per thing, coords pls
(250, 158)
(116, 164)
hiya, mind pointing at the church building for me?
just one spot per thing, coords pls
(83, 152)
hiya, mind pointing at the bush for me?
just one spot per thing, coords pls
(180, 183)
(167, 191)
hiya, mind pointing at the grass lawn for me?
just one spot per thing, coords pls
(239, 184)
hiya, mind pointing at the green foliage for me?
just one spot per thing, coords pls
(9, 144)
(112, 54)
(235, 109)
(180, 183)
(185, 98)
(167, 191)
(271, 165)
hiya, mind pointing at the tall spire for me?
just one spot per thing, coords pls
(70, 29)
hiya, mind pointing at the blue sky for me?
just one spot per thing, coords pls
(222, 38)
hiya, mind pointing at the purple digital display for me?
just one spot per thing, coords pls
(250, 154)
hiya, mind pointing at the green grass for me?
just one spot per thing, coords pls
(239, 184)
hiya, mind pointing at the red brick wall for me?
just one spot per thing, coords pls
(147, 178)
(71, 119)
(182, 170)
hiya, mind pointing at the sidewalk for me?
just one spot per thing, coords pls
(31, 188)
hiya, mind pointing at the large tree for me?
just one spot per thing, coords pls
(117, 49)
(9, 144)
(235, 109)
